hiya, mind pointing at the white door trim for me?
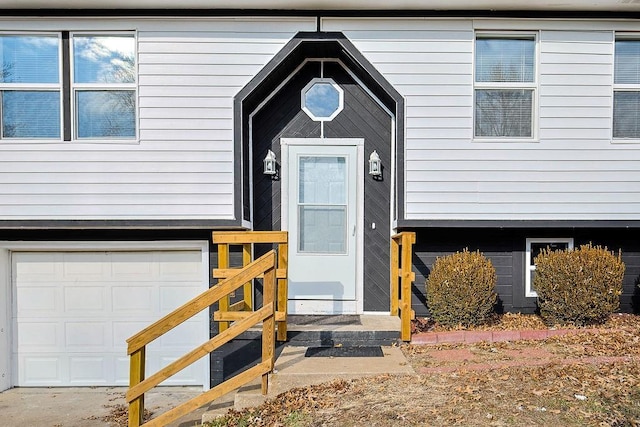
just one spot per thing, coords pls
(358, 308)
(6, 247)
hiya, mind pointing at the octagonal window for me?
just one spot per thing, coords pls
(322, 99)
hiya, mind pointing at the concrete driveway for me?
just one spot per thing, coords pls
(90, 406)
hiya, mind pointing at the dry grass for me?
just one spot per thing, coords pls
(582, 393)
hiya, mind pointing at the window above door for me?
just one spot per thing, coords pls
(322, 99)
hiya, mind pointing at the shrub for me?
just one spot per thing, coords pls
(580, 286)
(460, 289)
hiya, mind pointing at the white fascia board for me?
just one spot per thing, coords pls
(500, 5)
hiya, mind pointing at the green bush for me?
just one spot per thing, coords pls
(578, 286)
(460, 289)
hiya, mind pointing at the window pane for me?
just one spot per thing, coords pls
(537, 248)
(505, 60)
(29, 59)
(323, 229)
(504, 113)
(626, 115)
(627, 62)
(104, 59)
(30, 114)
(106, 114)
(323, 180)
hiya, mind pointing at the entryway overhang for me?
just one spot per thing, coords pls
(301, 47)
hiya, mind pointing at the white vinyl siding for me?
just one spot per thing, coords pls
(573, 172)
(183, 165)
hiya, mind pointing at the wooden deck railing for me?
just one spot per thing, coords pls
(401, 279)
(228, 312)
(264, 267)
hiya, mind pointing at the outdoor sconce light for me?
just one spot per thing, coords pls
(270, 164)
(375, 165)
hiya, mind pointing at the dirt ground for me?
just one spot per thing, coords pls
(585, 379)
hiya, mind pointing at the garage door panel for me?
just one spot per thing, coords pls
(86, 266)
(134, 266)
(171, 295)
(86, 335)
(73, 312)
(183, 335)
(38, 300)
(88, 370)
(180, 266)
(85, 299)
(134, 300)
(41, 370)
(39, 336)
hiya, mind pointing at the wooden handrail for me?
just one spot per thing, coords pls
(241, 237)
(206, 348)
(199, 303)
(402, 277)
(265, 267)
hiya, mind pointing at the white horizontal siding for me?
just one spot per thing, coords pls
(571, 171)
(182, 166)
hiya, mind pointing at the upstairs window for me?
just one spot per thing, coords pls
(505, 86)
(67, 86)
(104, 81)
(30, 86)
(626, 89)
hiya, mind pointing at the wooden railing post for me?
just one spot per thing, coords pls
(247, 290)
(136, 376)
(268, 326)
(281, 306)
(223, 262)
(408, 239)
(395, 275)
(402, 277)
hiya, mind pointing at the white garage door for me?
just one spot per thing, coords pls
(73, 311)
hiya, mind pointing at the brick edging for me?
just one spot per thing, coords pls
(469, 337)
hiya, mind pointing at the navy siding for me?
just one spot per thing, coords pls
(506, 250)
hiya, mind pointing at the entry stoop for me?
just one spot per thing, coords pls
(293, 369)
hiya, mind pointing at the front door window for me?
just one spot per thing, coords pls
(322, 205)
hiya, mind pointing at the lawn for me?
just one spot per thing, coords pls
(586, 379)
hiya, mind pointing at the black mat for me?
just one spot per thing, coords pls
(374, 351)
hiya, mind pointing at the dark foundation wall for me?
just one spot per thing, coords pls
(505, 247)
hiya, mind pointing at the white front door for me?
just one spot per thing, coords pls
(322, 214)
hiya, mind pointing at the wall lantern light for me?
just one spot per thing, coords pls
(375, 165)
(270, 164)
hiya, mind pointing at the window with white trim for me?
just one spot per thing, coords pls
(626, 88)
(505, 86)
(534, 247)
(68, 86)
(30, 86)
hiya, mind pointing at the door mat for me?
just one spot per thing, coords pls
(374, 351)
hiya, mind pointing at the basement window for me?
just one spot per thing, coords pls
(534, 247)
